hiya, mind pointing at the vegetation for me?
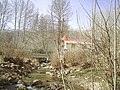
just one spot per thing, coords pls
(23, 31)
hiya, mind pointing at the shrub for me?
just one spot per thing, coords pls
(55, 61)
(74, 57)
(10, 52)
(71, 58)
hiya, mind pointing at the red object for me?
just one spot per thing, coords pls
(73, 41)
(65, 38)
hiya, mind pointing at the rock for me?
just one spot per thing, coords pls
(12, 65)
(37, 84)
(67, 71)
(2, 65)
(6, 75)
(58, 74)
(60, 88)
(8, 59)
(73, 70)
(43, 60)
(15, 67)
(43, 65)
(53, 86)
(4, 82)
(21, 87)
(51, 67)
(33, 68)
(12, 80)
(65, 66)
(46, 67)
(49, 73)
(38, 67)
(2, 87)
(27, 60)
(20, 82)
(42, 88)
(18, 61)
(118, 72)
(30, 88)
(77, 70)
(68, 65)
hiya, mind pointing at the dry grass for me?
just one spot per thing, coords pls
(55, 61)
(74, 58)
(14, 52)
(71, 58)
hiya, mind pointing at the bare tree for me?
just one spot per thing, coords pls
(115, 47)
(61, 14)
(92, 41)
(5, 17)
(105, 56)
(5, 14)
(17, 7)
(23, 13)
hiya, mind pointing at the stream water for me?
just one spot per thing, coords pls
(41, 75)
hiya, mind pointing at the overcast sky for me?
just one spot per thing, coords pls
(43, 6)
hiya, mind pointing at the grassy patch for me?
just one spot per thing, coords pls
(81, 72)
(42, 70)
(39, 75)
(86, 71)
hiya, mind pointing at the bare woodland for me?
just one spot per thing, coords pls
(23, 30)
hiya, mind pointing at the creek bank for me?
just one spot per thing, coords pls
(27, 74)
(14, 69)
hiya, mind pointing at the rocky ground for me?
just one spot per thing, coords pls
(27, 74)
(14, 71)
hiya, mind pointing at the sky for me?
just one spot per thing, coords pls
(43, 6)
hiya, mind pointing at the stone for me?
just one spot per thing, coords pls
(2, 87)
(42, 88)
(51, 67)
(65, 66)
(30, 88)
(22, 87)
(46, 67)
(49, 73)
(20, 82)
(37, 84)
(4, 81)
(43, 65)
(67, 71)
(53, 86)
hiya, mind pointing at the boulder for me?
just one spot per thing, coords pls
(53, 86)
(22, 87)
(8, 59)
(37, 84)
(20, 82)
(4, 81)
(67, 71)
(49, 73)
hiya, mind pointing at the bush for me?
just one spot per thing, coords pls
(71, 58)
(10, 52)
(55, 61)
(86, 65)
(74, 58)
